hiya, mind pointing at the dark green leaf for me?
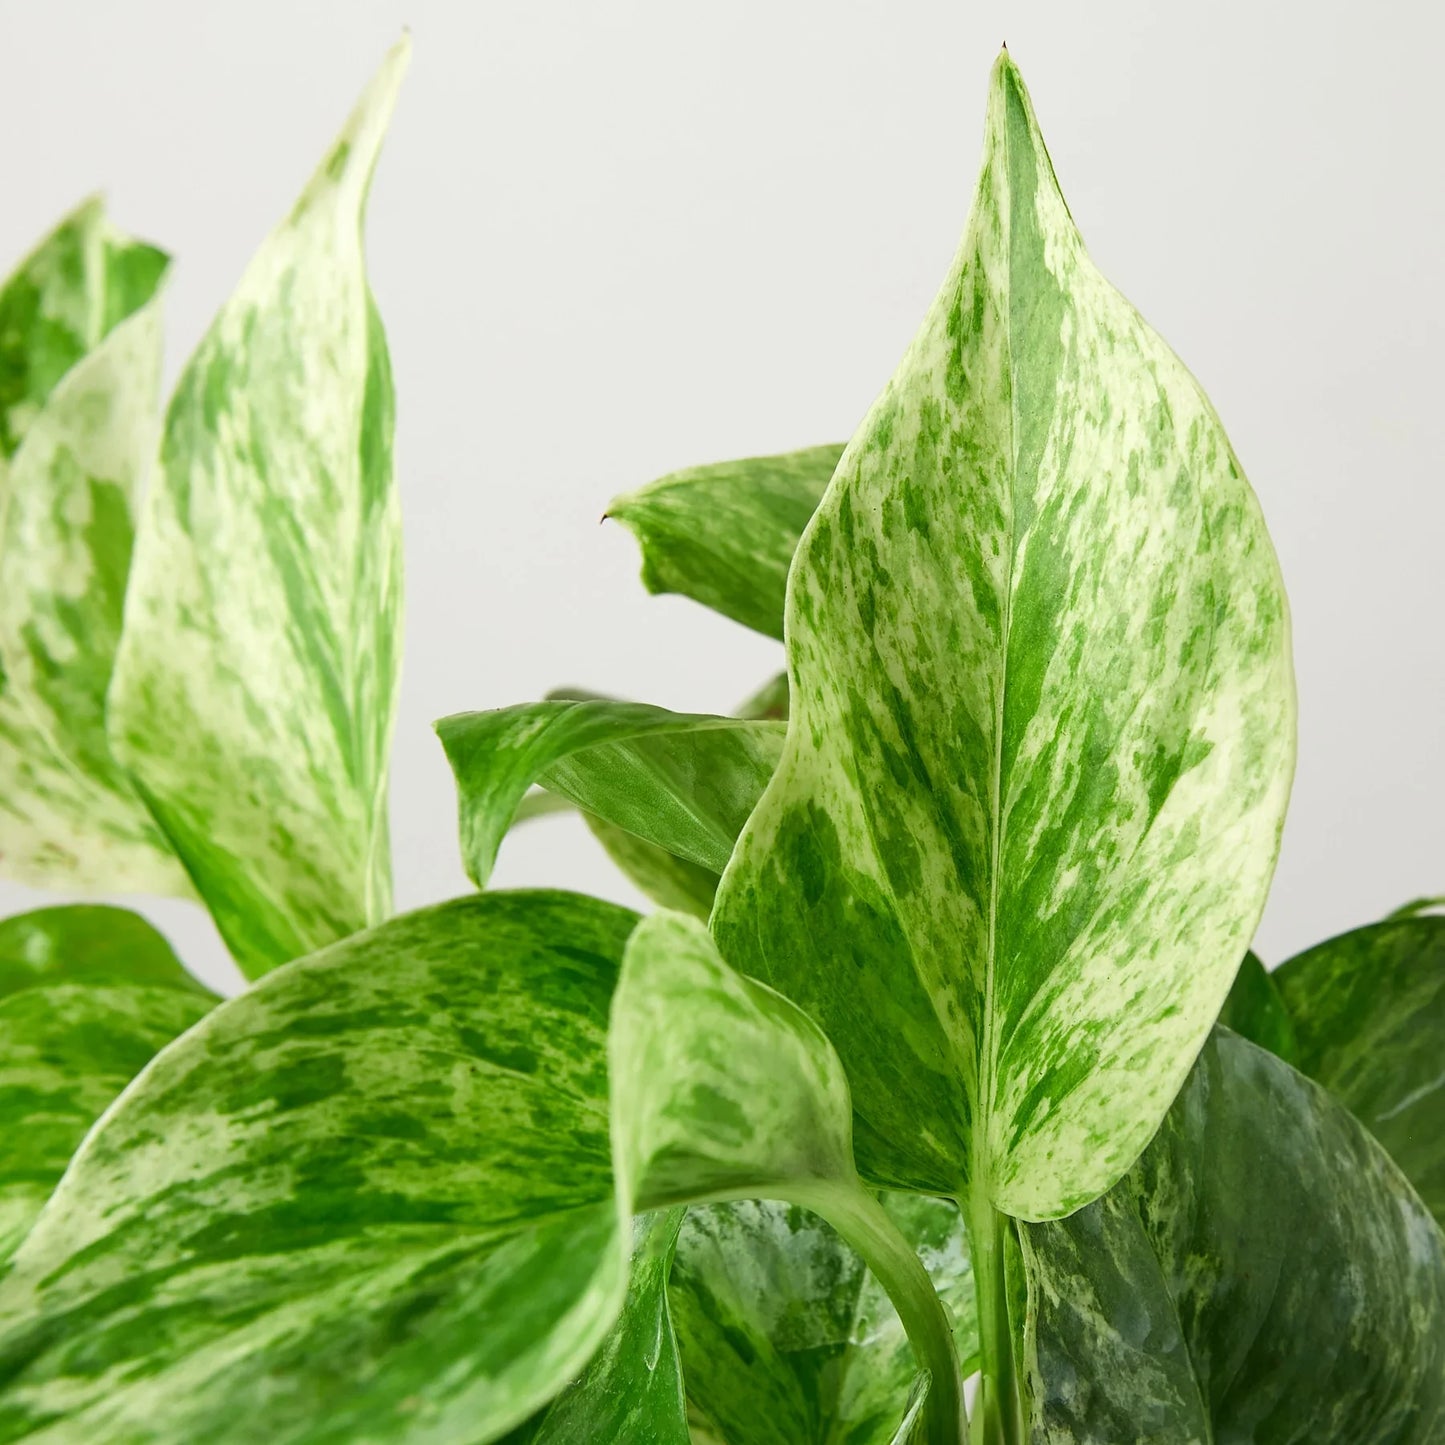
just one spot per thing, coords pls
(1264, 1274)
(725, 534)
(370, 1199)
(1255, 1009)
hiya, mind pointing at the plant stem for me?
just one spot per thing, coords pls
(862, 1221)
(998, 1415)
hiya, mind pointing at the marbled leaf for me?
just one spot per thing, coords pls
(370, 1199)
(787, 1339)
(685, 782)
(1368, 1011)
(256, 682)
(80, 357)
(725, 534)
(1256, 1010)
(631, 1391)
(1264, 1274)
(1042, 727)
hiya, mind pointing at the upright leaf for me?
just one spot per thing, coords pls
(787, 1339)
(1368, 1010)
(684, 782)
(1256, 1010)
(80, 355)
(296, 1220)
(1264, 1274)
(1042, 727)
(725, 534)
(631, 1390)
(256, 682)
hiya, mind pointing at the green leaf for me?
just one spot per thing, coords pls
(787, 1339)
(1042, 727)
(90, 943)
(725, 534)
(1255, 1009)
(302, 1210)
(80, 356)
(685, 782)
(66, 1050)
(668, 880)
(256, 682)
(631, 1391)
(1264, 1274)
(1368, 1009)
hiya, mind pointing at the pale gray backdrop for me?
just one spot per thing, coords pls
(609, 239)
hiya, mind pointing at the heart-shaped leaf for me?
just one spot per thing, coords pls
(725, 534)
(255, 687)
(1264, 1274)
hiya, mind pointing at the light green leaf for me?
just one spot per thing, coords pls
(668, 880)
(1255, 1009)
(66, 1050)
(87, 943)
(1042, 727)
(301, 1211)
(787, 1339)
(1264, 1274)
(769, 701)
(631, 1391)
(722, 1089)
(80, 356)
(725, 534)
(256, 682)
(682, 781)
(1368, 1009)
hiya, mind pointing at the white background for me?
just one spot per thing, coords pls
(610, 239)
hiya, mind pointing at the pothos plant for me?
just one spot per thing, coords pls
(937, 1059)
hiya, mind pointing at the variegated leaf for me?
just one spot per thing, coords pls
(1256, 1010)
(80, 355)
(1042, 727)
(787, 1339)
(87, 943)
(295, 1220)
(1264, 1274)
(668, 880)
(631, 1391)
(725, 534)
(256, 682)
(722, 1089)
(685, 782)
(1368, 1012)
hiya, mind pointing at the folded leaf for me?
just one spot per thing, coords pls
(80, 356)
(725, 534)
(1042, 727)
(1368, 1010)
(682, 781)
(91, 943)
(1265, 1274)
(256, 682)
(787, 1339)
(302, 1210)
(631, 1391)
(1255, 1009)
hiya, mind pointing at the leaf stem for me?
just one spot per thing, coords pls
(863, 1222)
(998, 1416)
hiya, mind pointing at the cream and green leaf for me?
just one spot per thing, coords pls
(300, 1211)
(255, 686)
(1264, 1273)
(725, 534)
(80, 359)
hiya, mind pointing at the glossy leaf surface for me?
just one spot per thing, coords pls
(684, 782)
(1264, 1274)
(256, 681)
(631, 1391)
(302, 1210)
(725, 534)
(786, 1337)
(1368, 1009)
(1042, 726)
(80, 357)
